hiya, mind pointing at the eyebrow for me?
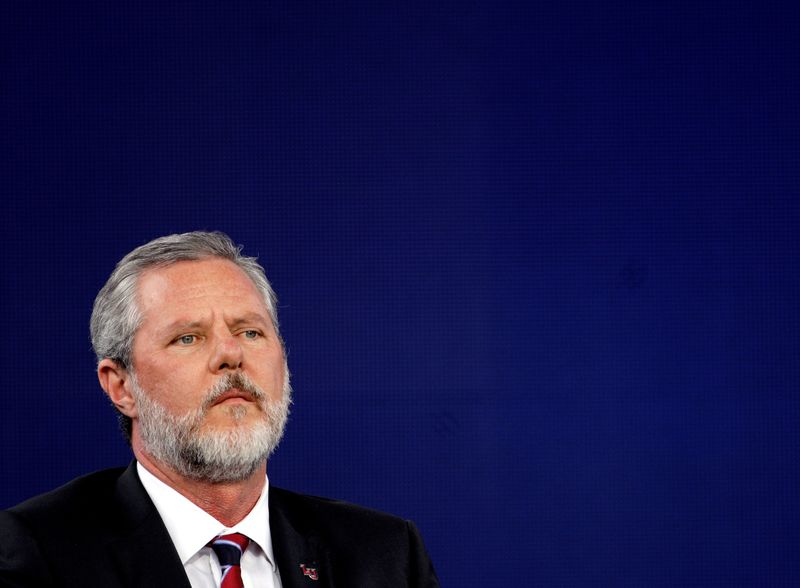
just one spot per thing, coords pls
(185, 325)
(179, 325)
(249, 317)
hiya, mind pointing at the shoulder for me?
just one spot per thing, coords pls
(87, 497)
(35, 532)
(369, 547)
(335, 516)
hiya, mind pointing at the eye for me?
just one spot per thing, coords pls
(251, 334)
(186, 339)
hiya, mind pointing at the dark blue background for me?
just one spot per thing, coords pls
(537, 263)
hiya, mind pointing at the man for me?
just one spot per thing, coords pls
(186, 336)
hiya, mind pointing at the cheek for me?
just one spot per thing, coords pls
(173, 388)
(271, 377)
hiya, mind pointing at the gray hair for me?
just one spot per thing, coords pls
(116, 316)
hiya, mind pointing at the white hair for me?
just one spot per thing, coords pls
(225, 455)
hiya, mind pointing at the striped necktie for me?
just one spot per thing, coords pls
(229, 549)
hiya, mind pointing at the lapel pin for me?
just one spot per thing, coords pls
(310, 572)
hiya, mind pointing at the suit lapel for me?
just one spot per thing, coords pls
(302, 558)
(144, 552)
(145, 555)
(146, 558)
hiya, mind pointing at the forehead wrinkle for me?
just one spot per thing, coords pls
(157, 295)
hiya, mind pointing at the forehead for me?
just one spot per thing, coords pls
(195, 284)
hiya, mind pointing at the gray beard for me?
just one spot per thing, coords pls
(227, 455)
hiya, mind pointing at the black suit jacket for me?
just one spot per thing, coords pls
(103, 530)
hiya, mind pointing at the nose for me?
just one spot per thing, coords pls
(227, 354)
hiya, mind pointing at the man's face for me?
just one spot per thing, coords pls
(209, 368)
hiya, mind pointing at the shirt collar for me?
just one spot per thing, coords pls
(191, 528)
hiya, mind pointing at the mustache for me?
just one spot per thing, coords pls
(237, 380)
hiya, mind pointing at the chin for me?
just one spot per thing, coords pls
(234, 413)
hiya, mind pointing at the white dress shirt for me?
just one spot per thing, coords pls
(191, 528)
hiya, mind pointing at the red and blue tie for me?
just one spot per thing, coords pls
(229, 549)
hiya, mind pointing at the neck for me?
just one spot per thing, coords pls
(228, 502)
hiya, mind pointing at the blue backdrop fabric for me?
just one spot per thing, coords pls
(537, 262)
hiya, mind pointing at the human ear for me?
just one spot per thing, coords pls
(115, 380)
